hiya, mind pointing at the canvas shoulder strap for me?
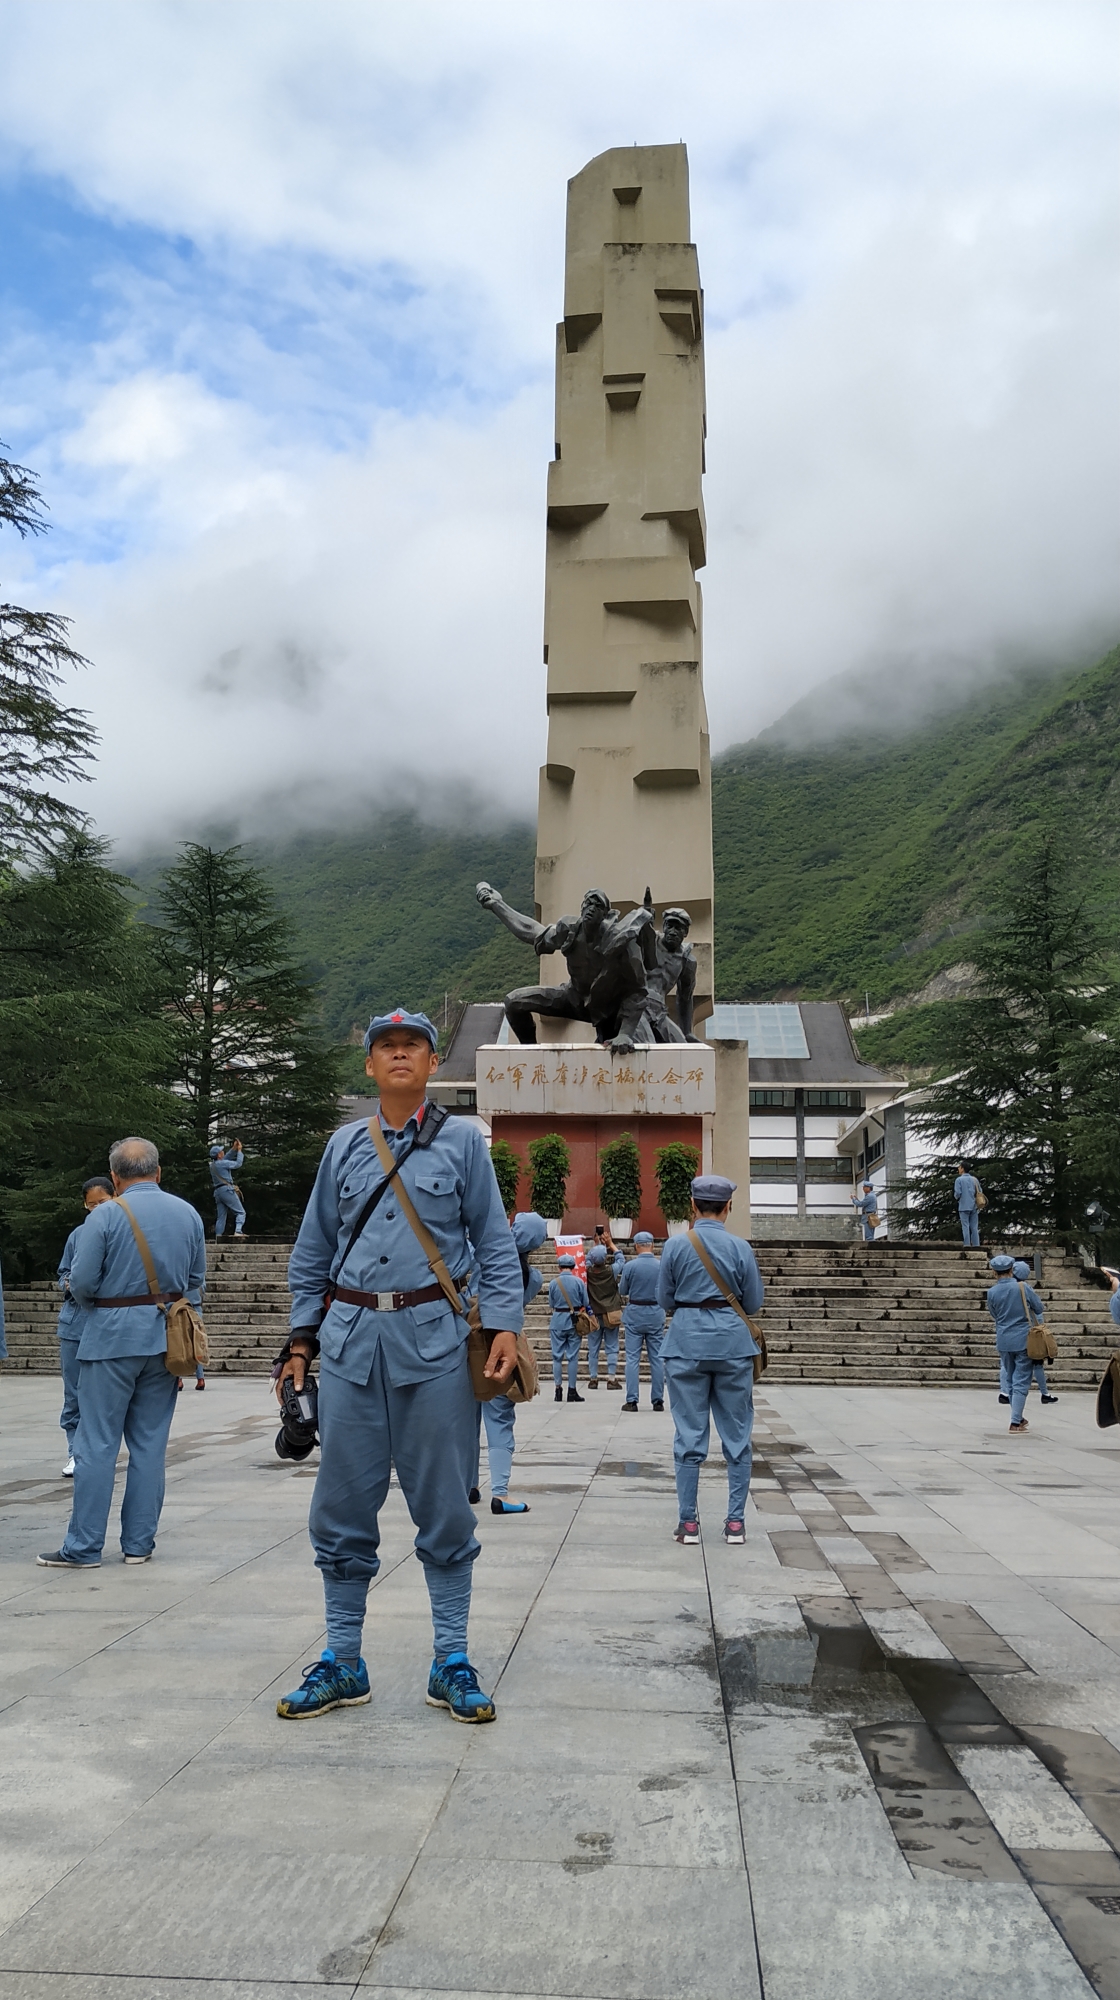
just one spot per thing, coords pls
(564, 1289)
(146, 1257)
(424, 1237)
(717, 1280)
(1031, 1321)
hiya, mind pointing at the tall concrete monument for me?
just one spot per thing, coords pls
(625, 794)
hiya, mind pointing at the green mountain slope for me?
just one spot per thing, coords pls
(841, 869)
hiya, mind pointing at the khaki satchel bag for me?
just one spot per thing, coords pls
(525, 1381)
(1041, 1344)
(187, 1344)
(981, 1197)
(582, 1322)
(762, 1358)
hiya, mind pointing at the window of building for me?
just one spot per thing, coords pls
(772, 1100)
(831, 1171)
(775, 1170)
(874, 1152)
(834, 1100)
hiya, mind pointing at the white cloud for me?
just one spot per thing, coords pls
(905, 218)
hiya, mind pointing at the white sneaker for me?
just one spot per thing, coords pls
(68, 1468)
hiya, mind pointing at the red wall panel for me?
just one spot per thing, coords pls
(585, 1139)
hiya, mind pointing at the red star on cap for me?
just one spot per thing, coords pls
(398, 1016)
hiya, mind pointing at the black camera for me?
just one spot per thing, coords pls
(299, 1419)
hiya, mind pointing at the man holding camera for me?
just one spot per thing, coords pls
(394, 1385)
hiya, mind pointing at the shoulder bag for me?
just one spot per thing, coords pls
(187, 1345)
(762, 1358)
(1041, 1344)
(524, 1383)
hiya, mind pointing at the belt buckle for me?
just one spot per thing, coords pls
(385, 1302)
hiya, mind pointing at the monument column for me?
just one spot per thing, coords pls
(625, 793)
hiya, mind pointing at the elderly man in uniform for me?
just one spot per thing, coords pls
(94, 1191)
(1022, 1273)
(227, 1197)
(866, 1206)
(709, 1354)
(643, 1319)
(604, 1269)
(1007, 1302)
(124, 1388)
(567, 1295)
(394, 1385)
(966, 1194)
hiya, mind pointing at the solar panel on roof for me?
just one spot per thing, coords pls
(773, 1031)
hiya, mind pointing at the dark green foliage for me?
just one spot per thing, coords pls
(85, 1050)
(507, 1172)
(677, 1166)
(1030, 1092)
(550, 1165)
(42, 742)
(911, 1040)
(250, 1059)
(867, 866)
(620, 1178)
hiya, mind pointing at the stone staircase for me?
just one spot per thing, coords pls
(889, 1313)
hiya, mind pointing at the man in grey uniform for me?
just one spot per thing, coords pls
(966, 1194)
(69, 1327)
(394, 1385)
(709, 1354)
(865, 1206)
(124, 1388)
(227, 1197)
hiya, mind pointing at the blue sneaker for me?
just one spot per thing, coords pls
(453, 1684)
(330, 1683)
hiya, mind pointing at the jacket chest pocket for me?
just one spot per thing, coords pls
(435, 1193)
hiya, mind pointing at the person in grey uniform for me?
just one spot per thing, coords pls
(709, 1354)
(1008, 1307)
(1022, 1273)
(604, 1269)
(1113, 1304)
(499, 1414)
(643, 1320)
(124, 1389)
(69, 1327)
(227, 1197)
(567, 1295)
(966, 1192)
(866, 1205)
(394, 1384)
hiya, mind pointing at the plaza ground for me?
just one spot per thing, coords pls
(875, 1753)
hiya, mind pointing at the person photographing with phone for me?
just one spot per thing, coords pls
(394, 1384)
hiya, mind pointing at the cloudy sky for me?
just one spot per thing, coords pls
(278, 295)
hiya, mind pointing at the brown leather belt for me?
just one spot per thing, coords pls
(705, 1305)
(390, 1302)
(141, 1299)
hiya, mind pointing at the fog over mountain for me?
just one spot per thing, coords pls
(279, 302)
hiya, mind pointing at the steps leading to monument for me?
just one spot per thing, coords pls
(895, 1314)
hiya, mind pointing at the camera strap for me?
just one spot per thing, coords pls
(435, 1115)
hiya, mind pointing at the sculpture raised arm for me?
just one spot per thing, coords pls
(525, 929)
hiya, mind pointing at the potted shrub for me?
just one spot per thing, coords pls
(620, 1184)
(550, 1164)
(676, 1166)
(507, 1172)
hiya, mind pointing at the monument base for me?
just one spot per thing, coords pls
(585, 1139)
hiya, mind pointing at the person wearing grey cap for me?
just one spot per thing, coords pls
(866, 1207)
(643, 1320)
(709, 1352)
(605, 1266)
(1021, 1272)
(1008, 1303)
(403, 1207)
(968, 1195)
(567, 1296)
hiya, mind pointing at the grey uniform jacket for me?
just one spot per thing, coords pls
(452, 1187)
(107, 1264)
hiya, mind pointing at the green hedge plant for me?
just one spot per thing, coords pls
(620, 1178)
(507, 1172)
(676, 1166)
(550, 1165)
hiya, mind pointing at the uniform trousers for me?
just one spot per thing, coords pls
(700, 1391)
(602, 1333)
(228, 1203)
(1038, 1377)
(970, 1227)
(131, 1397)
(499, 1415)
(1019, 1381)
(653, 1339)
(868, 1231)
(429, 1431)
(565, 1349)
(71, 1366)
